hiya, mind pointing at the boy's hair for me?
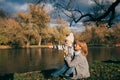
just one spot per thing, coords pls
(83, 46)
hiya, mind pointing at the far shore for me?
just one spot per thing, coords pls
(46, 46)
(31, 46)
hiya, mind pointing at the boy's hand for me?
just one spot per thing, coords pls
(50, 46)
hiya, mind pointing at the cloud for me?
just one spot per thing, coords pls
(2, 0)
(49, 8)
(77, 27)
(13, 7)
(23, 7)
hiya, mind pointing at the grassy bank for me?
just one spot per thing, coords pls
(31, 46)
(107, 70)
(45, 46)
(5, 47)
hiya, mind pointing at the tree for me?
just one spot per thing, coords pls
(76, 14)
(10, 33)
(3, 14)
(47, 34)
(116, 34)
(34, 22)
(28, 30)
(93, 34)
(60, 31)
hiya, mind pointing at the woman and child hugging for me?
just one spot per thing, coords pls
(76, 64)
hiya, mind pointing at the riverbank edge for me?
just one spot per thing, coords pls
(107, 70)
(46, 46)
(32, 46)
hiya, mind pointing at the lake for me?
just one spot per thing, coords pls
(36, 59)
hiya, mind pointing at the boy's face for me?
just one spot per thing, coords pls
(68, 42)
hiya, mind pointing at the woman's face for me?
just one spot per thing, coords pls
(77, 47)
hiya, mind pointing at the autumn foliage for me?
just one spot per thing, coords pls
(33, 28)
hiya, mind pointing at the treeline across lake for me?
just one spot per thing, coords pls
(101, 35)
(33, 28)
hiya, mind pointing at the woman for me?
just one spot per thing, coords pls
(79, 61)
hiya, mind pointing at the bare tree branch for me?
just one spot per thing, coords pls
(110, 10)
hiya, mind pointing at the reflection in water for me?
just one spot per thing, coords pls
(102, 54)
(24, 60)
(36, 59)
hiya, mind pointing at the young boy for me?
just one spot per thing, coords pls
(68, 49)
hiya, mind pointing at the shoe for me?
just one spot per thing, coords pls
(53, 76)
(67, 77)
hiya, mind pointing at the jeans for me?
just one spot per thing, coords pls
(60, 71)
(69, 71)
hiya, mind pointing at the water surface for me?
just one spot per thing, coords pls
(36, 59)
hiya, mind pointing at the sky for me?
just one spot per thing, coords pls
(13, 6)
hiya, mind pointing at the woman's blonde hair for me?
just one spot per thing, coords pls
(83, 46)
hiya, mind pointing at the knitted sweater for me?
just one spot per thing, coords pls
(80, 63)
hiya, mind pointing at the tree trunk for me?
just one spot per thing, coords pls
(39, 43)
(28, 44)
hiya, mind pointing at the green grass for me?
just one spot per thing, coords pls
(98, 71)
(107, 70)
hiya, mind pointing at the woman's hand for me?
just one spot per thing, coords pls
(69, 58)
(66, 52)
